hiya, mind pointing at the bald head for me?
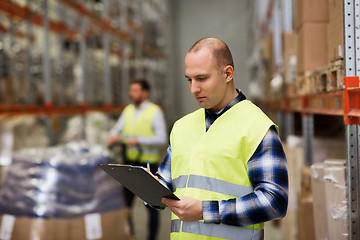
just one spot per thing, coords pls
(220, 51)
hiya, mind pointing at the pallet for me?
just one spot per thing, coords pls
(290, 90)
(303, 86)
(312, 79)
(335, 76)
(321, 79)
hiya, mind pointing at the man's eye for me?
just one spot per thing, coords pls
(189, 79)
(202, 78)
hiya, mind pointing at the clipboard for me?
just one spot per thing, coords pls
(140, 182)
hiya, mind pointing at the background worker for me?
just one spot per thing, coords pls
(225, 161)
(141, 127)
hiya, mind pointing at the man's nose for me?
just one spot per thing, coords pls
(194, 87)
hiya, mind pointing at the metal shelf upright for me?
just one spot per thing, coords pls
(352, 72)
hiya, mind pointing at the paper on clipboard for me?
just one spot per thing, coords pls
(140, 182)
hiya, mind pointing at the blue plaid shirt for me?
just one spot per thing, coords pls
(267, 173)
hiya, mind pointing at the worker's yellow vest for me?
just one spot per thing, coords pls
(212, 165)
(141, 126)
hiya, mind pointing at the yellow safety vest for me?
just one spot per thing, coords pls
(142, 126)
(212, 165)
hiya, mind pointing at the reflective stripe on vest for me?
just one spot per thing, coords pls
(215, 230)
(142, 126)
(211, 184)
(212, 165)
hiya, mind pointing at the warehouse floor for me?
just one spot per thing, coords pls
(141, 220)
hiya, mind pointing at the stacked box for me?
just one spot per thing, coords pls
(311, 46)
(290, 221)
(267, 54)
(289, 57)
(111, 225)
(306, 220)
(311, 23)
(304, 207)
(336, 29)
(310, 11)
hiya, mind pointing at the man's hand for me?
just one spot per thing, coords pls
(187, 209)
(113, 139)
(132, 142)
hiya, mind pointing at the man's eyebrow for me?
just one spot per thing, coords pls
(199, 75)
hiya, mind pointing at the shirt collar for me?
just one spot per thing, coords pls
(236, 100)
(142, 105)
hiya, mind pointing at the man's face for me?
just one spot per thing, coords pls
(206, 82)
(136, 94)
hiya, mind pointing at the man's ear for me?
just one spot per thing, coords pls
(146, 94)
(229, 73)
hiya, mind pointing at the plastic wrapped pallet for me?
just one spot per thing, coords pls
(6, 146)
(48, 187)
(335, 193)
(319, 201)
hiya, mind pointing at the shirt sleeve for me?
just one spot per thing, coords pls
(119, 125)
(268, 174)
(164, 175)
(164, 171)
(159, 127)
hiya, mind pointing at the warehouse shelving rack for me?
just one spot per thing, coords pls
(345, 103)
(120, 35)
(127, 31)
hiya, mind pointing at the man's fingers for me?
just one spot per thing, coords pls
(165, 201)
(169, 202)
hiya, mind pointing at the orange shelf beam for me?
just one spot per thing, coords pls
(48, 109)
(16, 11)
(351, 100)
(104, 24)
(344, 102)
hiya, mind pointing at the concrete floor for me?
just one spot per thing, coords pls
(141, 219)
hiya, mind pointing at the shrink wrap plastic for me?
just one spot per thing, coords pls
(336, 202)
(59, 182)
(320, 209)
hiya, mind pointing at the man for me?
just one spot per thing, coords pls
(141, 127)
(225, 161)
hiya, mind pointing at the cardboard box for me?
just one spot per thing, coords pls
(314, 11)
(311, 46)
(306, 220)
(289, 226)
(336, 30)
(306, 190)
(336, 202)
(319, 201)
(5, 91)
(112, 225)
(267, 55)
(267, 47)
(289, 57)
(288, 43)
